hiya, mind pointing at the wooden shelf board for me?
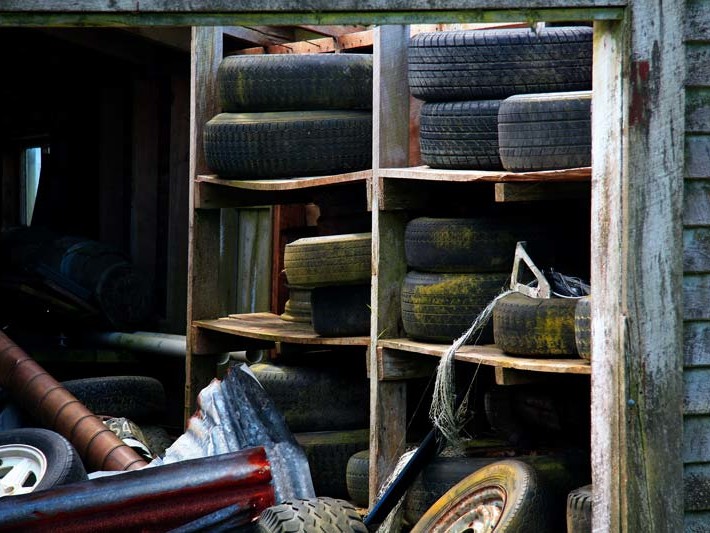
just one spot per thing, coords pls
(286, 184)
(492, 356)
(269, 327)
(433, 174)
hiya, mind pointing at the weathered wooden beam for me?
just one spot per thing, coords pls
(534, 192)
(315, 46)
(331, 31)
(255, 35)
(393, 365)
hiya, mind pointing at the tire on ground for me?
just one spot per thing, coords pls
(460, 135)
(328, 453)
(341, 311)
(330, 260)
(63, 464)
(285, 144)
(583, 328)
(545, 131)
(441, 307)
(306, 516)
(315, 399)
(479, 65)
(281, 82)
(579, 510)
(535, 326)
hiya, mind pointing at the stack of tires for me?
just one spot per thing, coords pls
(291, 115)
(464, 77)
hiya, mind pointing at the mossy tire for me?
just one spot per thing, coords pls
(583, 328)
(441, 307)
(341, 311)
(536, 327)
(579, 510)
(306, 516)
(283, 144)
(330, 260)
(357, 476)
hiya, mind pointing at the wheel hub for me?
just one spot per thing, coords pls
(22, 467)
(479, 512)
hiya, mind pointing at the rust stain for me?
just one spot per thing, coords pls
(638, 110)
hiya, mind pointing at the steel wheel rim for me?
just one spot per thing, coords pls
(478, 512)
(22, 467)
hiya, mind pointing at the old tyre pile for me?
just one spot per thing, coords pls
(291, 115)
(464, 78)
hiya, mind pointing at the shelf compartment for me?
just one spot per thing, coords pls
(212, 192)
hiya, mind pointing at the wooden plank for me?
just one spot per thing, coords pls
(315, 46)
(697, 20)
(696, 250)
(697, 156)
(288, 184)
(696, 295)
(696, 203)
(697, 110)
(254, 260)
(393, 365)
(696, 522)
(207, 342)
(696, 343)
(534, 192)
(636, 270)
(511, 377)
(696, 439)
(696, 387)
(253, 35)
(493, 176)
(697, 56)
(696, 480)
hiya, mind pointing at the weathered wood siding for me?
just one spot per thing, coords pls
(696, 267)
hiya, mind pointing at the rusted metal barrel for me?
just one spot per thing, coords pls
(56, 408)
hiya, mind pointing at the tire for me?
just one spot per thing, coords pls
(306, 516)
(357, 478)
(583, 328)
(535, 326)
(545, 131)
(341, 311)
(441, 307)
(460, 135)
(298, 305)
(137, 398)
(314, 399)
(467, 244)
(500, 412)
(282, 82)
(579, 510)
(157, 439)
(288, 143)
(62, 463)
(513, 484)
(328, 453)
(331, 260)
(480, 65)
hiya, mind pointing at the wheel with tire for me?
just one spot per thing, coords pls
(330, 260)
(583, 328)
(460, 135)
(441, 307)
(478, 65)
(34, 459)
(285, 144)
(282, 82)
(306, 516)
(341, 311)
(545, 131)
(541, 327)
(137, 398)
(357, 478)
(579, 510)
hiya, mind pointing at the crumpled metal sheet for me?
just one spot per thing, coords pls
(234, 414)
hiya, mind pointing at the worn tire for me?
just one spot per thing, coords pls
(479, 65)
(137, 398)
(341, 311)
(288, 143)
(441, 307)
(63, 464)
(330, 260)
(357, 478)
(467, 244)
(460, 135)
(281, 82)
(328, 453)
(535, 326)
(298, 305)
(315, 399)
(545, 131)
(306, 516)
(579, 510)
(583, 328)
(157, 439)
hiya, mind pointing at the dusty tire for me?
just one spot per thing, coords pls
(62, 464)
(513, 485)
(535, 326)
(357, 475)
(479, 65)
(288, 143)
(282, 82)
(341, 311)
(331, 260)
(156, 438)
(328, 453)
(460, 135)
(545, 131)
(583, 328)
(298, 305)
(579, 510)
(315, 399)
(306, 516)
(137, 398)
(441, 307)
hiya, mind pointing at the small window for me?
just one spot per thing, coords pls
(31, 165)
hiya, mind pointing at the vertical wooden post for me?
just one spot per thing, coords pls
(637, 387)
(203, 297)
(390, 149)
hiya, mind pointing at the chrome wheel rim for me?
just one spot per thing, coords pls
(22, 467)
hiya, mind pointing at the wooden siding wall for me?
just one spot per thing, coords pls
(696, 266)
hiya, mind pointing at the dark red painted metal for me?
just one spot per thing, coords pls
(149, 500)
(48, 401)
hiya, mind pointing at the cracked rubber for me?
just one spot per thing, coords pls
(326, 515)
(579, 510)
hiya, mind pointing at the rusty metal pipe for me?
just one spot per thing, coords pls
(58, 409)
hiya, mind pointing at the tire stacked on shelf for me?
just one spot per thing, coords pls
(464, 76)
(291, 115)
